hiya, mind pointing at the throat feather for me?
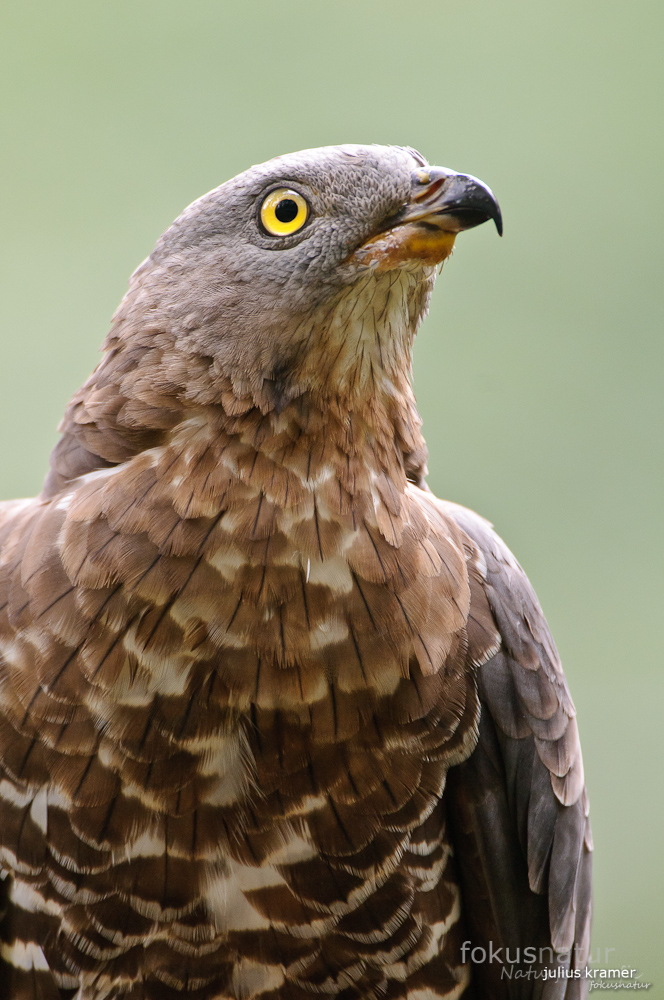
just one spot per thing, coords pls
(362, 347)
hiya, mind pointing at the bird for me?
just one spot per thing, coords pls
(275, 721)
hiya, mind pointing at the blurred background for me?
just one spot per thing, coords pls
(538, 372)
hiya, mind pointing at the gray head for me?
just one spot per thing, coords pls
(249, 270)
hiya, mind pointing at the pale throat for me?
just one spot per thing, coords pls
(362, 346)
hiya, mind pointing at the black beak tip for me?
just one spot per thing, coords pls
(498, 219)
(486, 200)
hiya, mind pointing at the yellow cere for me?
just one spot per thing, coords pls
(284, 212)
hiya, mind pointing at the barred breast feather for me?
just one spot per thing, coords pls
(233, 682)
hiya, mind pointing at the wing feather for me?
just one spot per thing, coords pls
(519, 805)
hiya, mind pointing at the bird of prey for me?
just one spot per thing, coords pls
(276, 723)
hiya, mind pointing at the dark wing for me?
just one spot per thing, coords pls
(518, 805)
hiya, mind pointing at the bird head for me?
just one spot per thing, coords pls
(302, 273)
(291, 292)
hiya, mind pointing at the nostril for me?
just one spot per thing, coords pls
(431, 190)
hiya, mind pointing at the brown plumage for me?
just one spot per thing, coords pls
(241, 644)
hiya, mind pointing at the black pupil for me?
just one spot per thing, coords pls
(286, 210)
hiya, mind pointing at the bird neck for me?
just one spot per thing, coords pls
(142, 398)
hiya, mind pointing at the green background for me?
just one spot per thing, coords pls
(538, 370)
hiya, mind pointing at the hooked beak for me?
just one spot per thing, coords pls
(442, 204)
(451, 201)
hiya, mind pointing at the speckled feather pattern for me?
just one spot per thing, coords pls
(241, 646)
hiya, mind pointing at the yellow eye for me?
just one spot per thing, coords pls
(284, 212)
